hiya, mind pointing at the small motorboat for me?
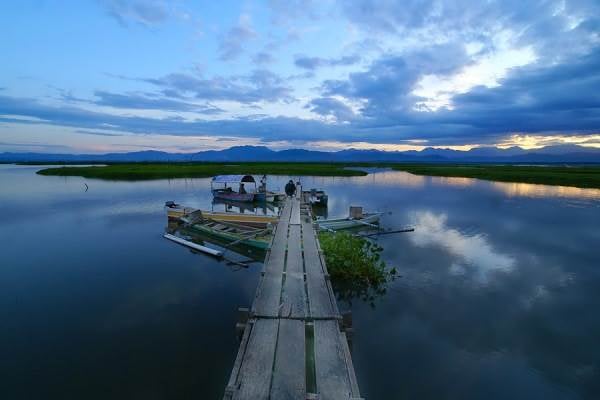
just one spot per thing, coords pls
(220, 186)
(356, 219)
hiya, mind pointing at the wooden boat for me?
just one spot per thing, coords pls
(368, 220)
(177, 212)
(235, 234)
(205, 239)
(220, 186)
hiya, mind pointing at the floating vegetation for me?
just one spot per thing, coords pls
(355, 266)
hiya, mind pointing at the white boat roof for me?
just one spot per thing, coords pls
(233, 178)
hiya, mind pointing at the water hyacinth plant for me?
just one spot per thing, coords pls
(355, 266)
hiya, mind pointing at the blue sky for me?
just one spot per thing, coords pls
(183, 76)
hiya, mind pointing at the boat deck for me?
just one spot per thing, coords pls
(292, 345)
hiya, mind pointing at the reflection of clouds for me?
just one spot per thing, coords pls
(533, 190)
(474, 250)
(389, 178)
(453, 181)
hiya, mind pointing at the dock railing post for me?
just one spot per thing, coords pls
(243, 315)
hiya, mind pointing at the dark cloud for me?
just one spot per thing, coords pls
(260, 85)
(545, 25)
(312, 63)
(559, 98)
(231, 44)
(97, 133)
(137, 101)
(145, 12)
(328, 106)
(388, 82)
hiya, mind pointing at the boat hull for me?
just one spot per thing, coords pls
(243, 197)
(348, 223)
(258, 221)
(230, 237)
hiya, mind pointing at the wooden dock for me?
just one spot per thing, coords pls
(292, 345)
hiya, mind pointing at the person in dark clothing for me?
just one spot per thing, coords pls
(242, 189)
(290, 188)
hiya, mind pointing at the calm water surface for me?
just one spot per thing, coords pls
(499, 293)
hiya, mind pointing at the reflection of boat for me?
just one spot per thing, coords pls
(234, 233)
(175, 211)
(316, 197)
(269, 197)
(356, 219)
(220, 186)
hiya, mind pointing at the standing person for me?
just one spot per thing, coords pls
(263, 184)
(290, 188)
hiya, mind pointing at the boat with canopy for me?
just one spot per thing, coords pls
(222, 187)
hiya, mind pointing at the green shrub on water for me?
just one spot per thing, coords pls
(355, 266)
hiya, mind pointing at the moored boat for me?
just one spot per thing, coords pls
(220, 186)
(233, 233)
(176, 211)
(357, 219)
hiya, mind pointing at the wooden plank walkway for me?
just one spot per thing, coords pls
(292, 346)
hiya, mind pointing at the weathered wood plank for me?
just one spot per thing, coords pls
(268, 293)
(331, 368)
(276, 258)
(295, 217)
(268, 296)
(294, 295)
(320, 298)
(289, 380)
(255, 374)
(239, 358)
(351, 374)
(286, 212)
(271, 361)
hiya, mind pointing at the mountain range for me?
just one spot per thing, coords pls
(551, 154)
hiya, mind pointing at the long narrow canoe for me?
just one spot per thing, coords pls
(368, 220)
(254, 237)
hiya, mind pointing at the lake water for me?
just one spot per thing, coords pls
(498, 295)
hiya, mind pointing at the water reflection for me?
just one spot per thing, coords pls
(497, 295)
(533, 190)
(472, 251)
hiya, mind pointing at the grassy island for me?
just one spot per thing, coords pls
(146, 171)
(584, 176)
(563, 175)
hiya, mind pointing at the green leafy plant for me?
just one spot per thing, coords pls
(355, 266)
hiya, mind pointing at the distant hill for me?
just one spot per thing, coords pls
(550, 154)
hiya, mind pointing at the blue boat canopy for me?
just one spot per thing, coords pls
(233, 179)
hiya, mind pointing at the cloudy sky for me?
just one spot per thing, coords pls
(129, 75)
